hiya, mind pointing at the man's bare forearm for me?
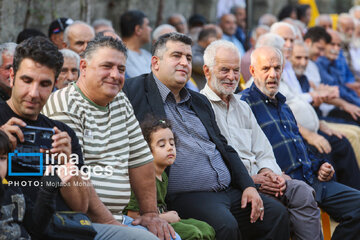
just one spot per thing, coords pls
(142, 181)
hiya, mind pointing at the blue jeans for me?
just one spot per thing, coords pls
(342, 203)
(115, 232)
(128, 220)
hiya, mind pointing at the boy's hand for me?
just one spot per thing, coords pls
(170, 217)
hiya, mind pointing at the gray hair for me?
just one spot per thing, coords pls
(67, 53)
(353, 10)
(159, 30)
(322, 16)
(266, 19)
(270, 39)
(254, 31)
(100, 42)
(278, 51)
(68, 30)
(101, 22)
(7, 49)
(211, 50)
(275, 27)
(343, 16)
(241, 5)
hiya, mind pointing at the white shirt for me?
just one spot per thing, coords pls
(290, 78)
(240, 128)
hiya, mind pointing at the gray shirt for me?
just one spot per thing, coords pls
(198, 165)
(138, 63)
(240, 128)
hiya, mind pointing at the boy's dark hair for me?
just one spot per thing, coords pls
(40, 50)
(129, 20)
(286, 11)
(163, 39)
(28, 33)
(103, 41)
(152, 124)
(317, 34)
(5, 144)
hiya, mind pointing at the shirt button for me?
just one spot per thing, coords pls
(294, 140)
(266, 101)
(300, 160)
(284, 126)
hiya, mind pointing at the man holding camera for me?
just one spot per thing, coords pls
(37, 63)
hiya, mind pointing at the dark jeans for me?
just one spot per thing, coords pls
(222, 210)
(342, 203)
(343, 117)
(344, 160)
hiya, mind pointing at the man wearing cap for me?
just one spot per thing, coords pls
(56, 30)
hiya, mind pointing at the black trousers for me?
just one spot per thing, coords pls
(222, 210)
(343, 158)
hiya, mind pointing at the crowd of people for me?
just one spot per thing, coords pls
(217, 133)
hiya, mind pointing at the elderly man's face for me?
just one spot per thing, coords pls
(104, 74)
(174, 67)
(346, 30)
(299, 59)
(228, 24)
(223, 77)
(7, 61)
(79, 36)
(69, 73)
(332, 49)
(179, 24)
(288, 35)
(266, 71)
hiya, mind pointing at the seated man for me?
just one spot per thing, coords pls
(207, 181)
(37, 63)
(109, 134)
(70, 69)
(238, 125)
(279, 125)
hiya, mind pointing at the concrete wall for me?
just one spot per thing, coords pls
(16, 15)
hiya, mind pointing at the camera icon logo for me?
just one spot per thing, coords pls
(25, 159)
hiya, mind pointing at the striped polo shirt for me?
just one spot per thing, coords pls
(110, 137)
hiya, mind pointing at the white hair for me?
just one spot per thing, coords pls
(353, 10)
(266, 19)
(211, 50)
(254, 31)
(7, 49)
(276, 26)
(271, 40)
(101, 22)
(324, 17)
(159, 30)
(68, 29)
(67, 53)
(278, 52)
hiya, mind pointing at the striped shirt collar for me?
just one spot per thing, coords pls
(165, 92)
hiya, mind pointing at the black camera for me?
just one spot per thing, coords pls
(38, 136)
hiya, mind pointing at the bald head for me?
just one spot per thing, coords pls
(179, 22)
(324, 20)
(287, 32)
(228, 24)
(266, 69)
(77, 36)
(333, 48)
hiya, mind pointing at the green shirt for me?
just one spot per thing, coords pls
(161, 190)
